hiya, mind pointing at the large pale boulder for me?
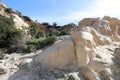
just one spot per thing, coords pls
(60, 55)
(73, 52)
(84, 45)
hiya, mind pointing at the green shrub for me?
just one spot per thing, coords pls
(9, 35)
(60, 33)
(36, 44)
(8, 10)
(64, 33)
(56, 33)
(35, 31)
(19, 14)
(30, 48)
(26, 18)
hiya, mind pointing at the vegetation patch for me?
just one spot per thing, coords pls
(36, 44)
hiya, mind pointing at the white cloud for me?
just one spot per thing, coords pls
(99, 8)
(108, 7)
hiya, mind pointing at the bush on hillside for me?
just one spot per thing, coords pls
(60, 33)
(35, 31)
(8, 10)
(19, 14)
(9, 35)
(64, 33)
(26, 18)
(36, 44)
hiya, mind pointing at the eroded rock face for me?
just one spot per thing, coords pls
(20, 23)
(106, 26)
(84, 45)
(89, 52)
(103, 27)
(80, 51)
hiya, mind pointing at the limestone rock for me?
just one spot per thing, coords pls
(117, 53)
(106, 74)
(90, 74)
(87, 22)
(114, 24)
(59, 55)
(90, 50)
(106, 26)
(27, 63)
(72, 52)
(83, 44)
(99, 64)
(102, 26)
(3, 70)
(82, 50)
(20, 23)
(73, 76)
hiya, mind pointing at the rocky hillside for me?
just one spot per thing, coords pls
(90, 53)
(8, 12)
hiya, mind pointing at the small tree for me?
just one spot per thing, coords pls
(19, 14)
(26, 18)
(54, 24)
(45, 24)
(8, 10)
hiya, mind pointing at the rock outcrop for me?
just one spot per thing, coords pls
(20, 23)
(90, 53)
(111, 25)
(80, 51)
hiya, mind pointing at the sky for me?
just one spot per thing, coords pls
(65, 11)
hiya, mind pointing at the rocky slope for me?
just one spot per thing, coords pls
(91, 53)
(19, 22)
(81, 51)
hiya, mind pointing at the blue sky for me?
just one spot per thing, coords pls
(65, 11)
